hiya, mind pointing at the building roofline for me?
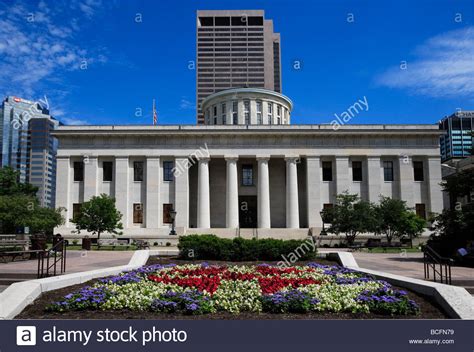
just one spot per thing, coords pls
(247, 90)
(324, 129)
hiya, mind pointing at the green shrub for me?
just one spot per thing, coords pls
(211, 247)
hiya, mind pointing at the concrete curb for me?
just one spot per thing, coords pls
(19, 295)
(456, 301)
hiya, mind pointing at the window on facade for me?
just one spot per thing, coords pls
(270, 113)
(388, 170)
(235, 113)
(420, 210)
(138, 213)
(215, 114)
(278, 114)
(327, 171)
(107, 168)
(247, 175)
(138, 171)
(223, 114)
(76, 210)
(168, 170)
(247, 112)
(259, 113)
(167, 208)
(357, 171)
(418, 170)
(78, 171)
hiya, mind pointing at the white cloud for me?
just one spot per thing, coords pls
(443, 67)
(38, 44)
(73, 121)
(185, 104)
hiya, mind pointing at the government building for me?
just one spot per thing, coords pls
(247, 169)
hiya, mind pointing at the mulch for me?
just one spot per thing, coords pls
(429, 308)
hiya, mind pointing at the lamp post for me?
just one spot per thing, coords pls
(173, 217)
(323, 231)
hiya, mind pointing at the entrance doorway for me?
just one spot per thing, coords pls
(248, 211)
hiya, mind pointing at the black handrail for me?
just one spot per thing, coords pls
(431, 259)
(57, 253)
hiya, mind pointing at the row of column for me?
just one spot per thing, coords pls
(263, 193)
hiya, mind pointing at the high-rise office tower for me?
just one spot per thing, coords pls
(235, 48)
(27, 145)
(456, 142)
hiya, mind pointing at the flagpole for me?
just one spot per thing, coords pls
(154, 113)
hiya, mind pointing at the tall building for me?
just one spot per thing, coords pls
(456, 141)
(28, 145)
(235, 49)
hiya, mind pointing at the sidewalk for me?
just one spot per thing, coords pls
(411, 265)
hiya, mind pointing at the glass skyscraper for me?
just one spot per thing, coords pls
(27, 145)
(456, 142)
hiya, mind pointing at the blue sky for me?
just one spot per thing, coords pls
(412, 60)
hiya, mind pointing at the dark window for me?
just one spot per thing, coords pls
(222, 21)
(247, 175)
(206, 21)
(420, 210)
(137, 213)
(107, 167)
(78, 171)
(418, 170)
(357, 171)
(388, 170)
(168, 167)
(327, 171)
(239, 21)
(76, 209)
(255, 21)
(138, 170)
(166, 213)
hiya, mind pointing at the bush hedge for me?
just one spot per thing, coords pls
(211, 247)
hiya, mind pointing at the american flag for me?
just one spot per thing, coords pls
(155, 115)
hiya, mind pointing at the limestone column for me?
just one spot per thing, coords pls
(63, 186)
(342, 174)
(374, 178)
(232, 193)
(313, 191)
(153, 178)
(122, 188)
(435, 194)
(406, 177)
(263, 197)
(292, 207)
(181, 176)
(91, 174)
(203, 208)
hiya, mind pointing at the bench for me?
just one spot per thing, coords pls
(142, 244)
(356, 246)
(14, 254)
(13, 243)
(113, 243)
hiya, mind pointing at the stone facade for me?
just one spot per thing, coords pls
(272, 179)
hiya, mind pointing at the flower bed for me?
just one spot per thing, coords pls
(196, 289)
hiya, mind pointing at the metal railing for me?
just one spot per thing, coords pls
(440, 266)
(53, 260)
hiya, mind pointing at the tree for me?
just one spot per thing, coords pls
(396, 219)
(350, 216)
(9, 185)
(99, 215)
(19, 207)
